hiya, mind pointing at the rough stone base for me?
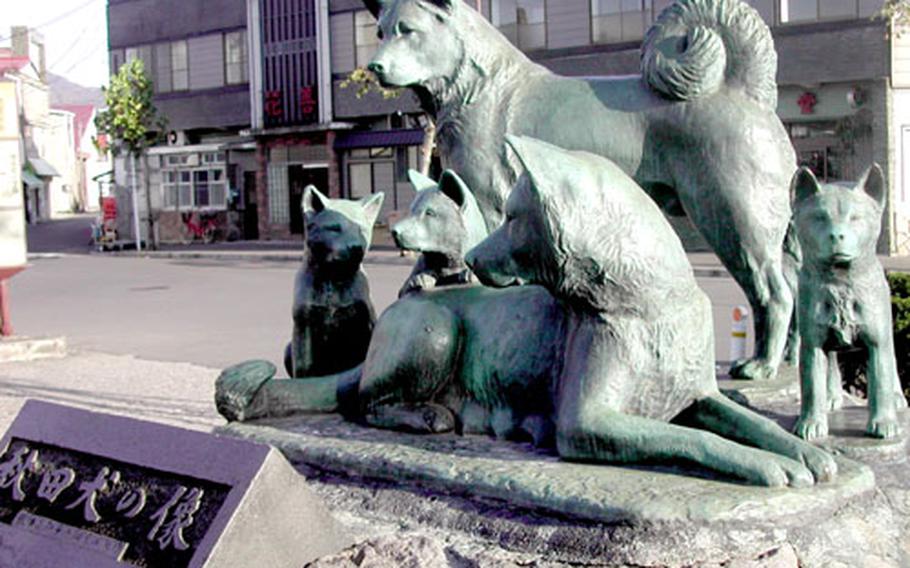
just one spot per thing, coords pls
(454, 501)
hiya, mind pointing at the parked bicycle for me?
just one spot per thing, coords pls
(198, 226)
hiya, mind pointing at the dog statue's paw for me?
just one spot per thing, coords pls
(819, 462)
(835, 400)
(884, 428)
(900, 400)
(811, 427)
(778, 471)
(236, 389)
(753, 370)
(417, 283)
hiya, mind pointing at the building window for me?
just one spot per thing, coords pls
(180, 69)
(619, 20)
(765, 8)
(522, 21)
(366, 40)
(235, 58)
(193, 188)
(813, 10)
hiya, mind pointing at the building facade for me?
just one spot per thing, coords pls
(195, 53)
(22, 66)
(260, 121)
(843, 78)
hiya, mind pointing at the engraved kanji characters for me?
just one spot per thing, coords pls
(13, 471)
(90, 490)
(169, 532)
(132, 502)
(54, 481)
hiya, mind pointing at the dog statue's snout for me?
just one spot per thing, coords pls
(376, 67)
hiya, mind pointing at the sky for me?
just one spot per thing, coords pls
(75, 35)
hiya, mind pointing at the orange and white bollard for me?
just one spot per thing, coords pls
(738, 330)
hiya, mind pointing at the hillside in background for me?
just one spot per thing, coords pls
(65, 92)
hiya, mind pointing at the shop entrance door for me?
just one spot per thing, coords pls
(299, 177)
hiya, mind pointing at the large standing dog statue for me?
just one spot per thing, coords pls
(697, 130)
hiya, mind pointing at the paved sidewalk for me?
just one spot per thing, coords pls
(180, 394)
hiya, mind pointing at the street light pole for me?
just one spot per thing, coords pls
(135, 202)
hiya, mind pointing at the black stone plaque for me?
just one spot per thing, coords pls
(121, 491)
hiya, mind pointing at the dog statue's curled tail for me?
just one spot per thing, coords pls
(697, 46)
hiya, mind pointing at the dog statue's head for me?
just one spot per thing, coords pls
(444, 218)
(419, 46)
(838, 223)
(339, 231)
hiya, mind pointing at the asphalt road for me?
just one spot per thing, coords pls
(207, 312)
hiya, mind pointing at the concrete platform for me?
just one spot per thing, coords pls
(17, 348)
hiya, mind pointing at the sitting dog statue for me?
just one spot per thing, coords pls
(844, 299)
(443, 224)
(333, 314)
(614, 364)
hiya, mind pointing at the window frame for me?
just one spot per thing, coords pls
(179, 179)
(494, 4)
(185, 70)
(648, 13)
(357, 47)
(242, 64)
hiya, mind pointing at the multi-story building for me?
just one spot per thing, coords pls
(256, 102)
(195, 52)
(22, 65)
(843, 79)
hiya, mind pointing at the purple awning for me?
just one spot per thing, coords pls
(379, 139)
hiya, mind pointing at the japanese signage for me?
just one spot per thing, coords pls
(290, 62)
(138, 515)
(81, 488)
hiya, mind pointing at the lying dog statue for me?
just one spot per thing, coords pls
(844, 299)
(698, 129)
(444, 222)
(333, 314)
(622, 347)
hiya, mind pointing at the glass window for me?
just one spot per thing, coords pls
(830, 9)
(869, 8)
(366, 40)
(619, 20)
(169, 188)
(522, 21)
(131, 54)
(201, 188)
(185, 190)
(361, 180)
(235, 57)
(765, 8)
(217, 189)
(180, 69)
(802, 10)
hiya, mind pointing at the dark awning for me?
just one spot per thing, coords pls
(379, 139)
(31, 180)
(42, 168)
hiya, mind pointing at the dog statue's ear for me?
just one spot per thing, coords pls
(446, 5)
(313, 201)
(453, 187)
(803, 186)
(374, 6)
(873, 183)
(420, 182)
(371, 207)
(534, 156)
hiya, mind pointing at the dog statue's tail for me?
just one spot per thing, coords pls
(695, 47)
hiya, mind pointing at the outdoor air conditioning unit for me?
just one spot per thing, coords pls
(176, 138)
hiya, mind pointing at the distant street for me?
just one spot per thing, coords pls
(208, 312)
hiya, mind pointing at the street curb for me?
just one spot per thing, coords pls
(32, 348)
(250, 256)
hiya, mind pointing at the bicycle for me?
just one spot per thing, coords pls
(198, 226)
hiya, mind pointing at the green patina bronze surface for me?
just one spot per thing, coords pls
(332, 311)
(844, 300)
(617, 365)
(697, 130)
(443, 223)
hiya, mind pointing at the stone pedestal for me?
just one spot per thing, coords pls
(506, 504)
